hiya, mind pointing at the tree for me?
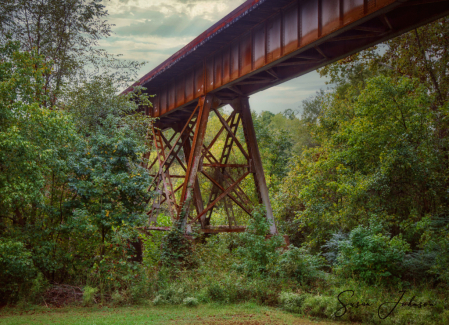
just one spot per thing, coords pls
(36, 144)
(67, 185)
(110, 184)
(66, 33)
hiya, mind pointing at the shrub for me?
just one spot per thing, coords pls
(38, 287)
(176, 250)
(436, 245)
(257, 253)
(419, 264)
(299, 264)
(89, 295)
(118, 298)
(216, 293)
(173, 295)
(190, 302)
(17, 270)
(445, 317)
(158, 300)
(371, 255)
(291, 302)
(319, 306)
(332, 246)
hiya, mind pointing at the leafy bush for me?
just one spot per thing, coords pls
(38, 286)
(235, 288)
(445, 317)
(291, 302)
(216, 293)
(152, 244)
(158, 300)
(262, 256)
(418, 264)
(299, 264)
(371, 255)
(17, 270)
(257, 253)
(118, 298)
(173, 295)
(89, 295)
(332, 246)
(190, 302)
(320, 306)
(176, 250)
(434, 257)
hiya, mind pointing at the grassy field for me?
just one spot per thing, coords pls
(203, 314)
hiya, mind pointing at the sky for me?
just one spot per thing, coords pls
(153, 30)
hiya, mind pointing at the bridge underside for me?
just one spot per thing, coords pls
(254, 48)
(192, 177)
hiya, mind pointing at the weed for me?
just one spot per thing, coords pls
(89, 295)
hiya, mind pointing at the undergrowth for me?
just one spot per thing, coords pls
(241, 268)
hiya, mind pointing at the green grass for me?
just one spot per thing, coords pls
(203, 314)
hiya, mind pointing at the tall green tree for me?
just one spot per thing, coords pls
(67, 33)
(382, 132)
(68, 185)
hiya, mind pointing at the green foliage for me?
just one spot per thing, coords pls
(174, 294)
(17, 270)
(111, 187)
(422, 54)
(190, 302)
(216, 292)
(89, 295)
(152, 244)
(432, 259)
(34, 141)
(279, 137)
(257, 253)
(118, 298)
(176, 250)
(320, 306)
(67, 33)
(262, 255)
(291, 302)
(38, 287)
(368, 157)
(299, 264)
(158, 300)
(371, 255)
(69, 194)
(95, 107)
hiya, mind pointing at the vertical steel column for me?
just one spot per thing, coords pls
(205, 103)
(242, 106)
(197, 198)
(165, 175)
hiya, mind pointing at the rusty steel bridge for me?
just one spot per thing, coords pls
(261, 44)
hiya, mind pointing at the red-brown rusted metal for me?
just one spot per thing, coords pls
(242, 105)
(266, 42)
(260, 44)
(224, 186)
(205, 104)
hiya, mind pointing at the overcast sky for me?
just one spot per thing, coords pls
(153, 30)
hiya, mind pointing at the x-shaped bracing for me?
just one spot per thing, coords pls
(185, 150)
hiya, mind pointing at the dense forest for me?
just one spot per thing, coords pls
(358, 178)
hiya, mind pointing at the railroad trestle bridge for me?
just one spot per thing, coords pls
(260, 44)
